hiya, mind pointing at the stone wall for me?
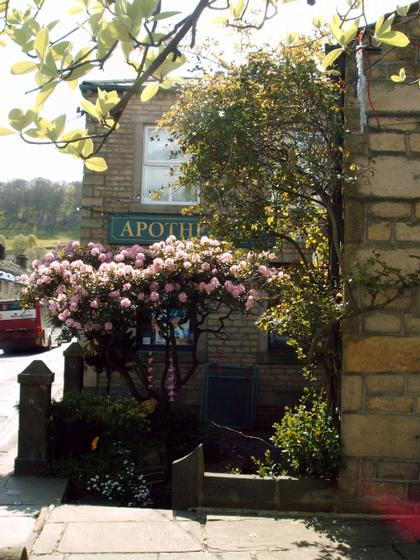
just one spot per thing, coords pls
(117, 190)
(381, 377)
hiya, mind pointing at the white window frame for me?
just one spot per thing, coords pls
(164, 163)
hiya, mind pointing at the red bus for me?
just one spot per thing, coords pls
(22, 328)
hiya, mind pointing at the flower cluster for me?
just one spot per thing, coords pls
(126, 486)
(99, 291)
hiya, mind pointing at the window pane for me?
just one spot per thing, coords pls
(156, 180)
(158, 147)
(184, 194)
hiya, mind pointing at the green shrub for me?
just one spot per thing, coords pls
(78, 419)
(308, 440)
(102, 445)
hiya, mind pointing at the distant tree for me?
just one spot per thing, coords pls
(19, 243)
(32, 241)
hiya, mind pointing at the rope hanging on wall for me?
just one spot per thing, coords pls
(361, 87)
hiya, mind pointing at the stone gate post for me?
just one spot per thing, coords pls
(34, 406)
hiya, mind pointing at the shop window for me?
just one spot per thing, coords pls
(149, 336)
(161, 161)
(278, 345)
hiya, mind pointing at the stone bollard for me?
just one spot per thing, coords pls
(187, 480)
(73, 369)
(34, 406)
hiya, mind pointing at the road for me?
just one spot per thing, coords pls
(10, 366)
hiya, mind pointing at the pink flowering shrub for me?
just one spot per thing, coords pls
(105, 295)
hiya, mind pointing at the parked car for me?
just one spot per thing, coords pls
(66, 334)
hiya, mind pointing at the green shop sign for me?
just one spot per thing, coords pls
(145, 229)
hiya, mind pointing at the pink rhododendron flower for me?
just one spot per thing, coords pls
(169, 288)
(169, 263)
(64, 314)
(154, 296)
(183, 297)
(94, 304)
(108, 326)
(125, 302)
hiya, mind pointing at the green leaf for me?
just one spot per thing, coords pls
(220, 19)
(23, 67)
(403, 10)
(238, 8)
(149, 92)
(378, 25)
(351, 33)
(44, 94)
(75, 10)
(62, 47)
(336, 30)
(399, 77)
(97, 164)
(59, 124)
(164, 15)
(90, 109)
(87, 148)
(49, 67)
(42, 42)
(78, 72)
(394, 39)
(20, 120)
(331, 57)
(6, 131)
(148, 7)
(317, 22)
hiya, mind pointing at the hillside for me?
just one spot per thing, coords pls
(45, 210)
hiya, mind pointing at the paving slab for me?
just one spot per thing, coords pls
(49, 538)
(261, 534)
(55, 556)
(125, 556)
(68, 513)
(204, 555)
(133, 536)
(15, 531)
(328, 553)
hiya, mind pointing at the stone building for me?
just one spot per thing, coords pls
(9, 274)
(119, 207)
(381, 374)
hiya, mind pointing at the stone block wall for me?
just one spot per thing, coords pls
(381, 362)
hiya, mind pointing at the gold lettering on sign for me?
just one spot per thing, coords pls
(141, 226)
(182, 227)
(160, 226)
(171, 227)
(127, 231)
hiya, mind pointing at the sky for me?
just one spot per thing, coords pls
(20, 160)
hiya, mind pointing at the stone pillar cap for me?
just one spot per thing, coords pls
(37, 373)
(73, 351)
